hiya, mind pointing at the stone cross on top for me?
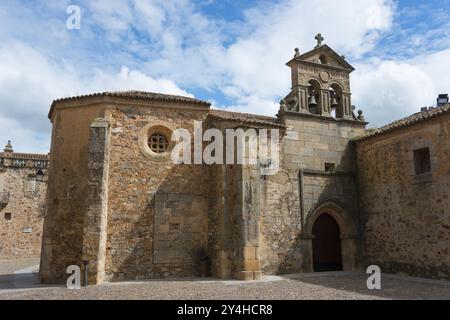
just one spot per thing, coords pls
(319, 39)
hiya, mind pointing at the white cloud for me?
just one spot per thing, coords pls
(152, 15)
(255, 62)
(391, 90)
(113, 15)
(437, 66)
(131, 80)
(252, 104)
(29, 82)
(140, 45)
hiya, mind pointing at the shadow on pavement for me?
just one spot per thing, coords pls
(392, 286)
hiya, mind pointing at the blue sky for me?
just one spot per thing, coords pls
(231, 53)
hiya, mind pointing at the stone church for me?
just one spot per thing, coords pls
(344, 197)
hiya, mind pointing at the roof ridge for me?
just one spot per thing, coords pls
(145, 95)
(244, 113)
(245, 117)
(125, 92)
(407, 121)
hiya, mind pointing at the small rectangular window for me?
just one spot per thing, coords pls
(422, 160)
(7, 216)
(330, 167)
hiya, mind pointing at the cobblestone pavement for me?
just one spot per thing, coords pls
(18, 273)
(300, 286)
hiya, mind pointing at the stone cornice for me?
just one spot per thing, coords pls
(24, 156)
(324, 66)
(319, 117)
(127, 97)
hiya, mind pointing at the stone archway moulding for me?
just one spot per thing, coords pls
(348, 234)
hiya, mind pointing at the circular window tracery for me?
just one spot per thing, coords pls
(158, 142)
(155, 140)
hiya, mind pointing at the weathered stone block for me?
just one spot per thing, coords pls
(249, 253)
(257, 275)
(252, 265)
(246, 276)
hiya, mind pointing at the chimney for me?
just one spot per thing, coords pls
(442, 100)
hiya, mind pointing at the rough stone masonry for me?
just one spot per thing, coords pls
(343, 198)
(23, 185)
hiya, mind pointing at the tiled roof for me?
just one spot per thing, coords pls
(218, 114)
(139, 95)
(245, 118)
(134, 95)
(408, 121)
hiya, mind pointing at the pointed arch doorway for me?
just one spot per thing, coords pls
(344, 237)
(326, 244)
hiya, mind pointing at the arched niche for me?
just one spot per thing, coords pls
(323, 59)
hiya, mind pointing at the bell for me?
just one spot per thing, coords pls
(312, 101)
(334, 102)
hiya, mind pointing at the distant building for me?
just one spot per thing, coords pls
(23, 186)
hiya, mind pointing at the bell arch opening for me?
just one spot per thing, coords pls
(337, 109)
(314, 97)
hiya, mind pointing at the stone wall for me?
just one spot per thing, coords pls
(406, 217)
(134, 214)
(235, 211)
(223, 238)
(151, 214)
(157, 211)
(68, 189)
(22, 210)
(309, 143)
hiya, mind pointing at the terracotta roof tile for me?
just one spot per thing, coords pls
(219, 114)
(408, 121)
(245, 118)
(138, 95)
(134, 95)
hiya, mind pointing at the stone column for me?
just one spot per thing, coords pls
(250, 267)
(307, 250)
(350, 256)
(347, 106)
(95, 223)
(224, 245)
(324, 102)
(302, 92)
